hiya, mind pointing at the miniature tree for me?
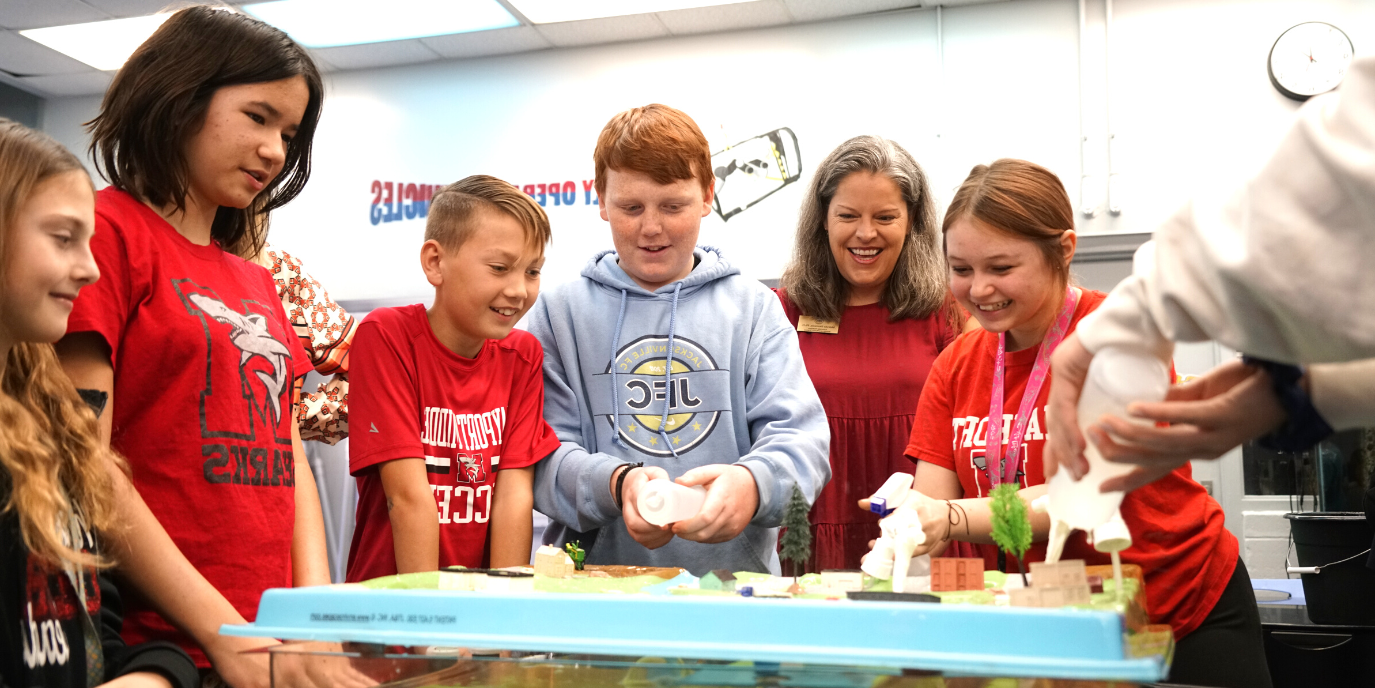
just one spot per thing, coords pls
(796, 543)
(576, 553)
(1011, 524)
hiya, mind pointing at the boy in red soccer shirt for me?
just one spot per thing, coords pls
(448, 403)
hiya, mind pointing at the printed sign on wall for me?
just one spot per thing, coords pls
(754, 169)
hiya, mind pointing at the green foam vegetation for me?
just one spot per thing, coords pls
(427, 580)
(1107, 600)
(965, 597)
(586, 584)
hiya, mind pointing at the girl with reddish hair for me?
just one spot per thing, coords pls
(1009, 239)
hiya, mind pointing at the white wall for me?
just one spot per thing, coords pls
(1190, 101)
(1191, 107)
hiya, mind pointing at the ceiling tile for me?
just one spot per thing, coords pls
(36, 14)
(745, 15)
(85, 84)
(141, 8)
(138, 8)
(516, 39)
(608, 30)
(814, 10)
(22, 57)
(370, 55)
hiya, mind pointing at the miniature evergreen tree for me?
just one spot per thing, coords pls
(1011, 523)
(796, 543)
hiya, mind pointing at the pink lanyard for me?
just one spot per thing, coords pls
(993, 445)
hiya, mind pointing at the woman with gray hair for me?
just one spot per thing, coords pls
(867, 292)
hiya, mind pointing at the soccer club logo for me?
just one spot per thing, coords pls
(471, 469)
(643, 391)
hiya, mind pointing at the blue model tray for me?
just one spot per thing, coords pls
(962, 639)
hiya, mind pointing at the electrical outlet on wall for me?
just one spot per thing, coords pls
(1207, 485)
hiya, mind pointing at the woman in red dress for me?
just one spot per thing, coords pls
(866, 291)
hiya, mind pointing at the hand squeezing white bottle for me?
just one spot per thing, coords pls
(1117, 377)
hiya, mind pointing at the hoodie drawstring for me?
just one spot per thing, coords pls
(615, 386)
(668, 368)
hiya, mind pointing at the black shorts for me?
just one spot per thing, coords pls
(1228, 649)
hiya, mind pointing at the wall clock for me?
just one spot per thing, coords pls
(1309, 59)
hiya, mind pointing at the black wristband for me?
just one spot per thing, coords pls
(620, 481)
(1303, 426)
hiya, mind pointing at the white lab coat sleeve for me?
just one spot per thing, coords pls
(1281, 267)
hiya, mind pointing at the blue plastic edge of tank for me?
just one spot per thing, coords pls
(961, 639)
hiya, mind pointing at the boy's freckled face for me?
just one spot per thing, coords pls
(487, 284)
(654, 226)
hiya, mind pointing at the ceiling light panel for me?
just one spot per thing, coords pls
(551, 11)
(329, 23)
(103, 45)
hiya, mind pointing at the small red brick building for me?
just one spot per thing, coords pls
(950, 573)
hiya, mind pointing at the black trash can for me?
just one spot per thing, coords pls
(1343, 592)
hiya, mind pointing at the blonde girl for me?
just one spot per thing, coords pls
(59, 614)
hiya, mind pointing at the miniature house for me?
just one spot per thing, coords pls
(1064, 573)
(949, 574)
(843, 579)
(1053, 585)
(553, 562)
(719, 579)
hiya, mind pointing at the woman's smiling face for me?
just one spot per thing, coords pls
(1002, 280)
(866, 224)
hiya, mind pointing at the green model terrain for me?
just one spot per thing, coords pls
(1107, 600)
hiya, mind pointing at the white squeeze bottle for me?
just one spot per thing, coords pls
(1117, 376)
(663, 501)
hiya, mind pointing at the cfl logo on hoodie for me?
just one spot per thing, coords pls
(691, 395)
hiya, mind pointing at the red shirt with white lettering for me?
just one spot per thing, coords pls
(466, 417)
(1178, 538)
(204, 358)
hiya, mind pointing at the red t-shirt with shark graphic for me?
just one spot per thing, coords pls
(204, 358)
(412, 398)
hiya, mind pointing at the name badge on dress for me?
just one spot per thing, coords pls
(807, 323)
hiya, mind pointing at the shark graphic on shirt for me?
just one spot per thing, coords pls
(250, 335)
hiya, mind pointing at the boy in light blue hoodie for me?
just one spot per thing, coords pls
(735, 412)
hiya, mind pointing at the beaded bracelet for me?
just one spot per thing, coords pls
(620, 481)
